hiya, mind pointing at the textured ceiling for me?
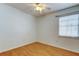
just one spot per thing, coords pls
(51, 7)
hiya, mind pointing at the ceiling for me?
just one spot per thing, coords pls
(51, 7)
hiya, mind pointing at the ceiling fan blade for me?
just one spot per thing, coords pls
(48, 8)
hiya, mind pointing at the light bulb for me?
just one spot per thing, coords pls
(39, 9)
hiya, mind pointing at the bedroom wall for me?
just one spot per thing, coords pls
(16, 28)
(48, 31)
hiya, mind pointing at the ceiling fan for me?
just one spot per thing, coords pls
(40, 7)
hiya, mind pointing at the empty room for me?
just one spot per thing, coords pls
(39, 29)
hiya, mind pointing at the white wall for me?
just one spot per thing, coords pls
(48, 31)
(16, 28)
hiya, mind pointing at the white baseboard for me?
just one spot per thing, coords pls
(16, 46)
(58, 46)
(39, 42)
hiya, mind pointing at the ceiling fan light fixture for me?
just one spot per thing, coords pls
(39, 7)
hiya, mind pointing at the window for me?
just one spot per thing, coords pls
(68, 25)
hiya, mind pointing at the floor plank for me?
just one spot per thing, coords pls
(38, 49)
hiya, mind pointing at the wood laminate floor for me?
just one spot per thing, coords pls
(38, 49)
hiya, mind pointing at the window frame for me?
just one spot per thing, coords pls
(66, 35)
